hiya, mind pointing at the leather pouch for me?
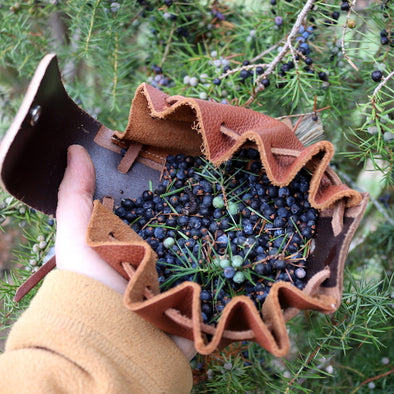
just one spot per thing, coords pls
(33, 160)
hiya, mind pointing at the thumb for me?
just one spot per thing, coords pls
(76, 191)
(74, 209)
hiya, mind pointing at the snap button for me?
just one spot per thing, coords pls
(35, 114)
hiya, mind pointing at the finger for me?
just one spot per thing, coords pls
(74, 205)
(76, 193)
(186, 346)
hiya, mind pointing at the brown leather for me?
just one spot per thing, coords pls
(194, 126)
(33, 154)
(35, 278)
(158, 125)
(178, 312)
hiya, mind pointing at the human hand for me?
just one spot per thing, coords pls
(75, 205)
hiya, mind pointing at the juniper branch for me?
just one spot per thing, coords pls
(387, 373)
(288, 43)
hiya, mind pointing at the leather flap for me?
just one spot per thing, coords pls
(34, 150)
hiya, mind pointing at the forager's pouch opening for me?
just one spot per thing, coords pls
(169, 145)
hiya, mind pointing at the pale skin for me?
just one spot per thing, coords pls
(75, 204)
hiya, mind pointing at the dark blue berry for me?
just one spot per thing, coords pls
(284, 68)
(121, 212)
(206, 308)
(229, 272)
(205, 295)
(153, 242)
(147, 195)
(149, 213)
(148, 205)
(384, 40)
(222, 240)
(244, 74)
(280, 202)
(290, 201)
(218, 213)
(206, 187)
(127, 204)
(283, 213)
(183, 220)
(323, 76)
(213, 227)
(284, 276)
(308, 61)
(195, 222)
(160, 233)
(307, 232)
(278, 222)
(376, 75)
(283, 191)
(295, 209)
(224, 223)
(345, 6)
(280, 264)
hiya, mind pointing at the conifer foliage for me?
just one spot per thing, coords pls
(330, 62)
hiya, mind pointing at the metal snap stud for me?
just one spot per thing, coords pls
(35, 113)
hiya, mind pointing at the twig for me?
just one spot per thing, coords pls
(305, 114)
(346, 56)
(248, 67)
(379, 87)
(309, 360)
(167, 48)
(262, 54)
(371, 380)
(115, 63)
(91, 24)
(308, 5)
(288, 45)
(324, 362)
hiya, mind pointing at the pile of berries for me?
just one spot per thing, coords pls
(228, 229)
(159, 80)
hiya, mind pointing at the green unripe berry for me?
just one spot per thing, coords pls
(218, 202)
(224, 263)
(233, 208)
(216, 262)
(237, 261)
(168, 242)
(239, 277)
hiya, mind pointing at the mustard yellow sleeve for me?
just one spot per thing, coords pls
(78, 337)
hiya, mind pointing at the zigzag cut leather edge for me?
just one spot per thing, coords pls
(160, 120)
(178, 310)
